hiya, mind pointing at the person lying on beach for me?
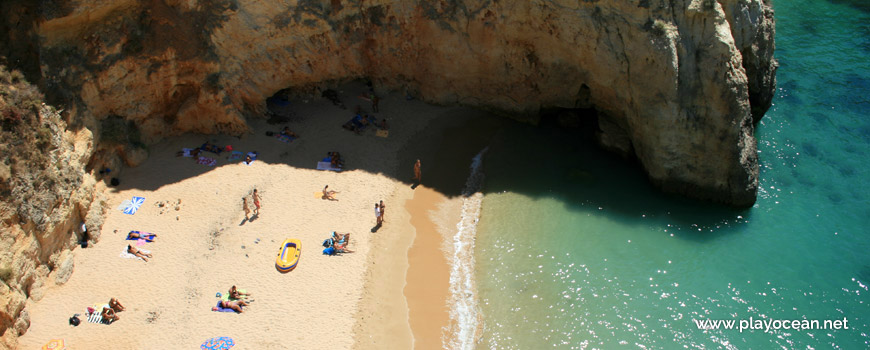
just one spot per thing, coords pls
(342, 248)
(236, 294)
(109, 314)
(146, 236)
(191, 153)
(288, 133)
(208, 146)
(116, 305)
(329, 194)
(357, 124)
(136, 252)
(236, 305)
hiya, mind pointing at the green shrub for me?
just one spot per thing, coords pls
(660, 27)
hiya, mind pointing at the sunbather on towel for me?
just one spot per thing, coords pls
(237, 294)
(288, 133)
(109, 314)
(136, 252)
(327, 194)
(342, 248)
(188, 153)
(116, 305)
(235, 305)
(208, 146)
(146, 236)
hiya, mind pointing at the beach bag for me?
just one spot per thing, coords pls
(74, 320)
(327, 243)
(329, 251)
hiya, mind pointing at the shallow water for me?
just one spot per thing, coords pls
(580, 252)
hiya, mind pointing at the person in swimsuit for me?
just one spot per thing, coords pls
(116, 305)
(245, 207)
(236, 305)
(327, 194)
(146, 236)
(378, 214)
(136, 252)
(382, 211)
(109, 314)
(256, 198)
(418, 172)
(236, 294)
(288, 133)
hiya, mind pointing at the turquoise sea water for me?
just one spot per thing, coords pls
(580, 252)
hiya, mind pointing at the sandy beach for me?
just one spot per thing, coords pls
(204, 244)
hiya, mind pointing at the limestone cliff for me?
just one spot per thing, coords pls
(45, 195)
(677, 83)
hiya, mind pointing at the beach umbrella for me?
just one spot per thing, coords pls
(54, 344)
(219, 343)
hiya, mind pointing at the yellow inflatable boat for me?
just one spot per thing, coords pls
(288, 255)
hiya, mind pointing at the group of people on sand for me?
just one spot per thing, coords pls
(337, 244)
(255, 197)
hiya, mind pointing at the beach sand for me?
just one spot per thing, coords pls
(205, 245)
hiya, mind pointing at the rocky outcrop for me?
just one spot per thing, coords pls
(677, 83)
(45, 195)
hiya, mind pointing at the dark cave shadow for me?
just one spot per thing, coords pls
(544, 161)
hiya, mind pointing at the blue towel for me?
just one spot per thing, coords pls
(223, 309)
(329, 251)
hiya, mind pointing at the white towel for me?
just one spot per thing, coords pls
(126, 255)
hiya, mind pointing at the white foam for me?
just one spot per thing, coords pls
(464, 311)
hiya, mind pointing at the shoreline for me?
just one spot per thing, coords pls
(428, 278)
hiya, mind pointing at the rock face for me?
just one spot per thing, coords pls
(44, 196)
(677, 83)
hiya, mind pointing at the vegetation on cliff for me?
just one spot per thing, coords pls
(44, 193)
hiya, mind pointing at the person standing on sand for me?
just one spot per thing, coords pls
(382, 211)
(418, 172)
(375, 101)
(256, 198)
(378, 214)
(245, 206)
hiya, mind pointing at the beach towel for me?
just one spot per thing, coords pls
(382, 133)
(215, 150)
(134, 205)
(218, 308)
(126, 255)
(327, 166)
(97, 315)
(207, 161)
(236, 155)
(149, 236)
(124, 204)
(329, 251)
(285, 138)
(253, 156)
(186, 152)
